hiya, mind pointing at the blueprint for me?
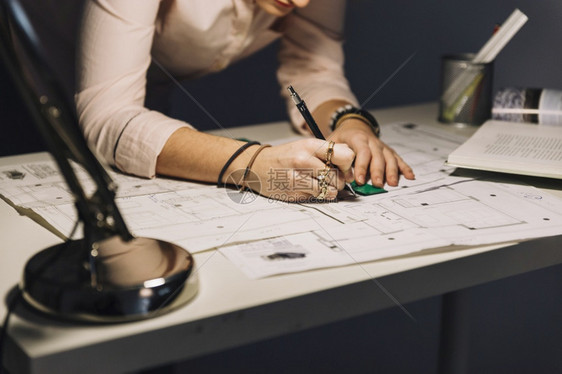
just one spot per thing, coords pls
(263, 237)
(193, 215)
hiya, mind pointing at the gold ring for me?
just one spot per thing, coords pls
(323, 176)
(323, 193)
(323, 182)
(330, 153)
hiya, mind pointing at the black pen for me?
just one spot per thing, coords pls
(301, 105)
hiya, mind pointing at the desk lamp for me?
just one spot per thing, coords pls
(109, 275)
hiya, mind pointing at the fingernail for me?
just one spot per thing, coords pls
(361, 179)
(378, 181)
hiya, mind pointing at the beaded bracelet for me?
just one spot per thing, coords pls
(233, 157)
(349, 111)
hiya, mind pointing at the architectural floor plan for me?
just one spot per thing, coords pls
(265, 237)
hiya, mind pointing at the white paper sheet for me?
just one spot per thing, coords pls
(264, 237)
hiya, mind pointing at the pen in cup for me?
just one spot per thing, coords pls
(301, 105)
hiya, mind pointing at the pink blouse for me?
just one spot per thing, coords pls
(190, 38)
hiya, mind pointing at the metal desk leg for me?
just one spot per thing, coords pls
(453, 346)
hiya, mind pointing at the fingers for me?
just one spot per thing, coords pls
(324, 190)
(324, 167)
(342, 156)
(374, 159)
(332, 167)
(298, 171)
(370, 162)
(306, 187)
(379, 162)
(362, 162)
(405, 169)
(391, 167)
(387, 168)
(338, 155)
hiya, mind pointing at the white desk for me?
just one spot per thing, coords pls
(231, 310)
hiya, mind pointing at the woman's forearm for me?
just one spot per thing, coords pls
(195, 155)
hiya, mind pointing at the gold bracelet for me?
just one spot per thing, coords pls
(349, 111)
(352, 115)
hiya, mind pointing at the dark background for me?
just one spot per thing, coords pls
(380, 37)
(516, 323)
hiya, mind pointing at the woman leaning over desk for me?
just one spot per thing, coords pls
(189, 38)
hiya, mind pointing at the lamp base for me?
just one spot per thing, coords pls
(111, 281)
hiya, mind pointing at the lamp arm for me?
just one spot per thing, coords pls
(58, 124)
(109, 276)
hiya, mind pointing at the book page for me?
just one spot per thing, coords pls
(518, 148)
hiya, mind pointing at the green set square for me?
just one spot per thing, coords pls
(366, 189)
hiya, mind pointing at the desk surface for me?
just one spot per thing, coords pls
(230, 309)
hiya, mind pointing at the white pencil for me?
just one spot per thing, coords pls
(486, 55)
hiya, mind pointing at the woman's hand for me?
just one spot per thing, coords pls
(291, 172)
(374, 159)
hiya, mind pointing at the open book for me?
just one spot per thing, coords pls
(510, 147)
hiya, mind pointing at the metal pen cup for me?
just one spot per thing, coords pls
(466, 90)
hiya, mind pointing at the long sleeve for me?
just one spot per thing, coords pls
(189, 38)
(311, 57)
(113, 58)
